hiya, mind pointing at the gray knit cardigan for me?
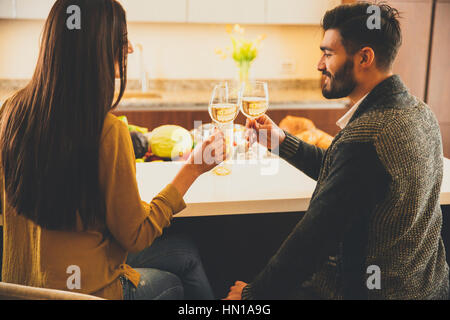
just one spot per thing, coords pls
(375, 209)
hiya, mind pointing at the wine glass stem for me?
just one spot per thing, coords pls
(227, 130)
(251, 153)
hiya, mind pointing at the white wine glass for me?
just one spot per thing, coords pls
(223, 110)
(255, 102)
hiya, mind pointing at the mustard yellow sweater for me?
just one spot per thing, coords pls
(39, 257)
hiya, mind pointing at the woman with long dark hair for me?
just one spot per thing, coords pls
(72, 210)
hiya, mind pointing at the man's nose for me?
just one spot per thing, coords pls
(321, 65)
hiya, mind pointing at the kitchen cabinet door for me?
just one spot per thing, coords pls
(298, 11)
(155, 10)
(438, 93)
(33, 9)
(226, 11)
(412, 58)
(7, 9)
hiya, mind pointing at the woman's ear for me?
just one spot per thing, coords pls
(130, 47)
(366, 57)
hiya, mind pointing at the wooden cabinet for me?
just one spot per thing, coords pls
(425, 68)
(412, 59)
(155, 10)
(298, 12)
(7, 9)
(137, 10)
(439, 79)
(194, 11)
(229, 11)
(259, 11)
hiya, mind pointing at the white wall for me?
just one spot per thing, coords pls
(179, 50)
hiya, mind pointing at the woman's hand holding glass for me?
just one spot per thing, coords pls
(205, 157)
(210, 153)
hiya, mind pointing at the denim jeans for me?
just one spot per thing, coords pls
(170, 269)
(153, 285)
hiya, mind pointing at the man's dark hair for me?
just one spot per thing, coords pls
(351, 22)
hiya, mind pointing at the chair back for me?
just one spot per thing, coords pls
(11, 291)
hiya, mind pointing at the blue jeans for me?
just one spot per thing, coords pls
(153, 285)
(170, 269)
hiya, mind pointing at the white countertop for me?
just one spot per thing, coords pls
(273, 185)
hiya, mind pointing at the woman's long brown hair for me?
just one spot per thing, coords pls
(50, 130)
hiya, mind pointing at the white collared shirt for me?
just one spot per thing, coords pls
(342, 122)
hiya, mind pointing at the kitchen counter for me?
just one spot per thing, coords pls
(271, 186)
(268, 186)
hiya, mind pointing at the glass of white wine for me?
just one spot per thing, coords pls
(223, 109)
(255, 102)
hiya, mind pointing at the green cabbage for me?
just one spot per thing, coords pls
(171, 141)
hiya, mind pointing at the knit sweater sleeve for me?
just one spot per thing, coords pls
(133, 222)
(351, 190)
(303, 156)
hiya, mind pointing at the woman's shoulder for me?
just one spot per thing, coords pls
(112, 124)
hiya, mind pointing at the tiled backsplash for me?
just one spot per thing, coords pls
(207, 84)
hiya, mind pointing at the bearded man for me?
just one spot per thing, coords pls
(373, 226)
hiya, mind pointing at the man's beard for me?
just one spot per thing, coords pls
(341, 84)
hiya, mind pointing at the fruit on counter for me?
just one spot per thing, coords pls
(165, 143)
(171, 142)
(137, 128)
(123, 118)
(132, 127)
(140, 143)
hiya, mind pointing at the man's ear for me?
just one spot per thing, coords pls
(366, 57)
